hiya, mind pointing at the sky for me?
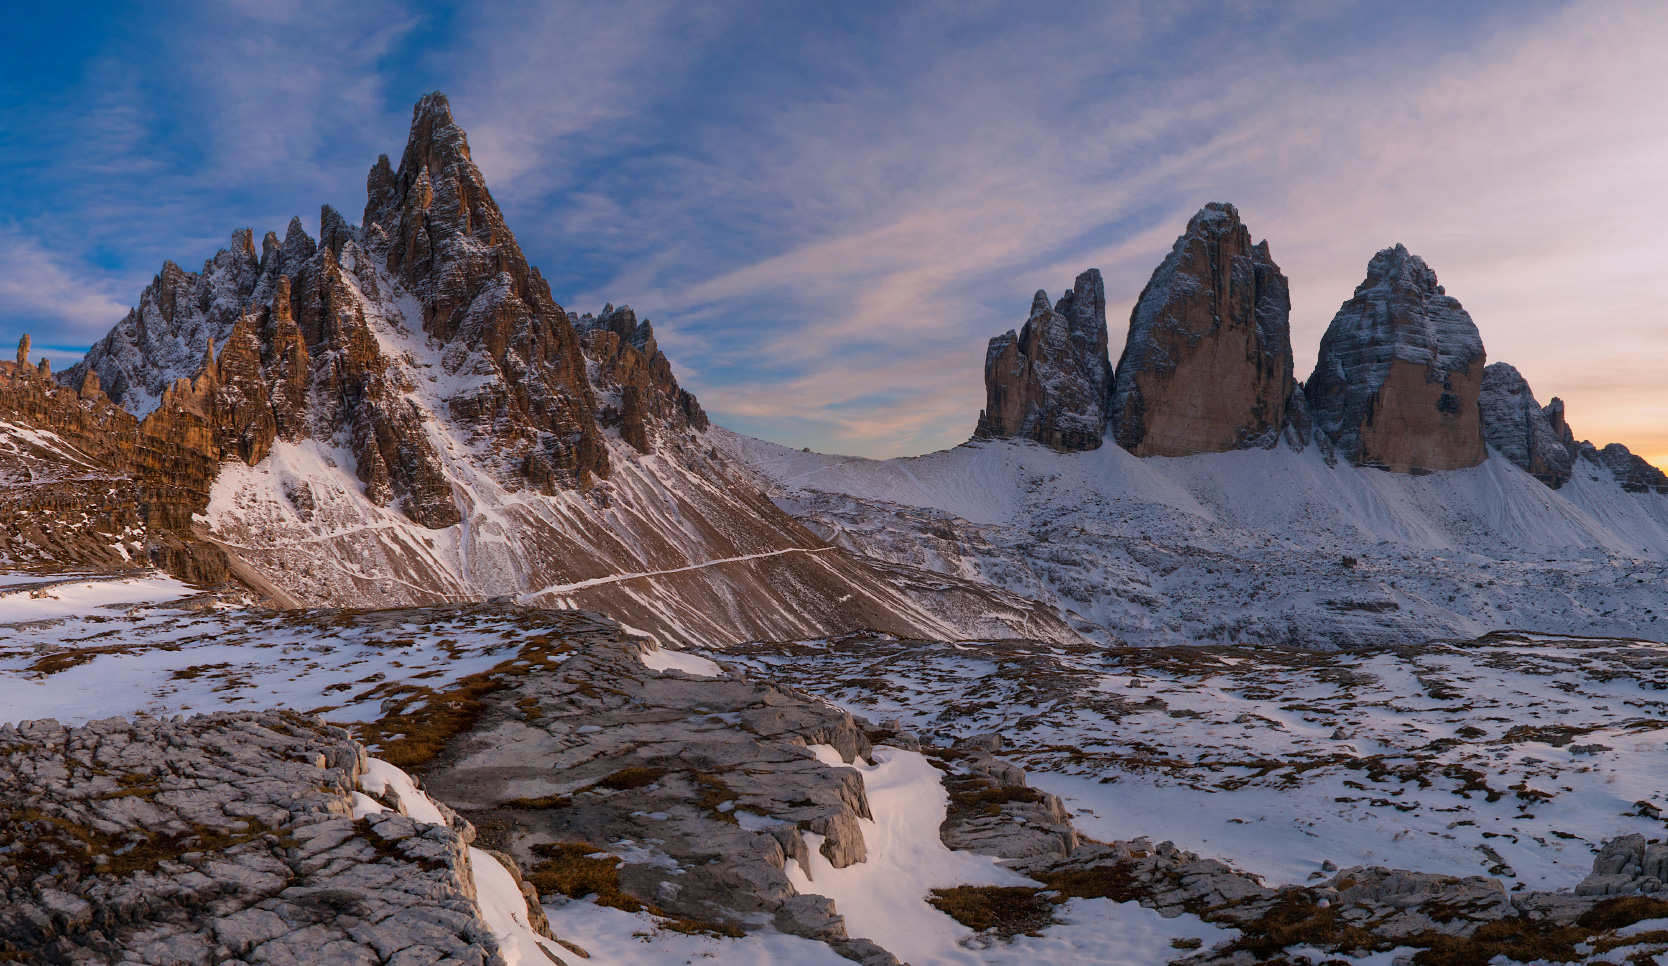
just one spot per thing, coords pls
(828, 209)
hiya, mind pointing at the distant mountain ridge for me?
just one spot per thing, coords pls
(1401, 381)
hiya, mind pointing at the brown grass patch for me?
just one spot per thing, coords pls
(1113, 882)
(567, 869)
(701, 927)
(1006, 910)
(537, 804)
(411, 739)
(636, 776)
(1623, 911)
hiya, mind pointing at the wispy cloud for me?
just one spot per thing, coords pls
(828, 209)
(63, 303)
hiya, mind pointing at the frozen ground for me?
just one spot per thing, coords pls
(1259, 546)
(1514, 757)
(87, 649)
(884, 897)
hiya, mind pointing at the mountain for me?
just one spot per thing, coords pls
(1399, 372)
(1049, 382)
(1207, 365)
(1198, 528)
(400, 413)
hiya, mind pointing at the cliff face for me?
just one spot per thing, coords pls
(287, 345)
(1208, 362)
(639, 394)
(1399, 373)
(436, 228)
(1049, 381)
(1522, 430)
(84, 484)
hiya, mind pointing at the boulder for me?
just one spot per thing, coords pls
(1049, 381)
(1207, 366)
(1399, 373)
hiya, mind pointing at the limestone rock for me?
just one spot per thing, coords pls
(1207, 366)
(103, 484)
(1524, 432)
(433, 223)
(1627, 864)
(1630, 472)
(1399, 373)
(1049, 381)
(640, 395)
(225, 837)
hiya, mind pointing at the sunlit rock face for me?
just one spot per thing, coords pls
(1207, 366)
(1399, 373)
(1048, 382)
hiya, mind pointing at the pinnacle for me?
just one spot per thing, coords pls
(1213, 214)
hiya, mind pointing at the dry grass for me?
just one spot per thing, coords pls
(411, 738)
(567, 869)
(537, 804)
(1005, 910)
(636, 776)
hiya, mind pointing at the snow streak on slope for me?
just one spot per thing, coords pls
(1513, 756)
(675, 541)
(1258, 546)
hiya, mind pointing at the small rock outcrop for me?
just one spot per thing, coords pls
(1208, 362)
(1631, 472)
(1049, 381)
(1399, 373)
(1521, 429)
(1627, 864)
(711, 775)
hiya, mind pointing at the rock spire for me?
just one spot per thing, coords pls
(1207, 365)
(1533, 437)
(1399, 372)
(1049, 381)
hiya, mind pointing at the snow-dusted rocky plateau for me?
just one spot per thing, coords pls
(359, 604)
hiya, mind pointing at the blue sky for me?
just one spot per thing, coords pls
(828, 208)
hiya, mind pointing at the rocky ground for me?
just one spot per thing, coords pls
(223, 838)
(734, 804)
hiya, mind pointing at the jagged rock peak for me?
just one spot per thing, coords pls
(1207, 366)
(23, 350)
(635, 377)
(1521, 429)
(1049, 381)
(1399, 373)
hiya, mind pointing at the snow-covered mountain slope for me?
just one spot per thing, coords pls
(673, 541)
(1258, 546)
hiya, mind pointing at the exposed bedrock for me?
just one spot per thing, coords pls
(1399, 373)
(1208, 363)
(1049, 381)
(226, 837)
(1522, 430)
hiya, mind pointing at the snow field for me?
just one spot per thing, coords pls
(90, 649)
(1511, 758)
(1254, 547)
(884, 898)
